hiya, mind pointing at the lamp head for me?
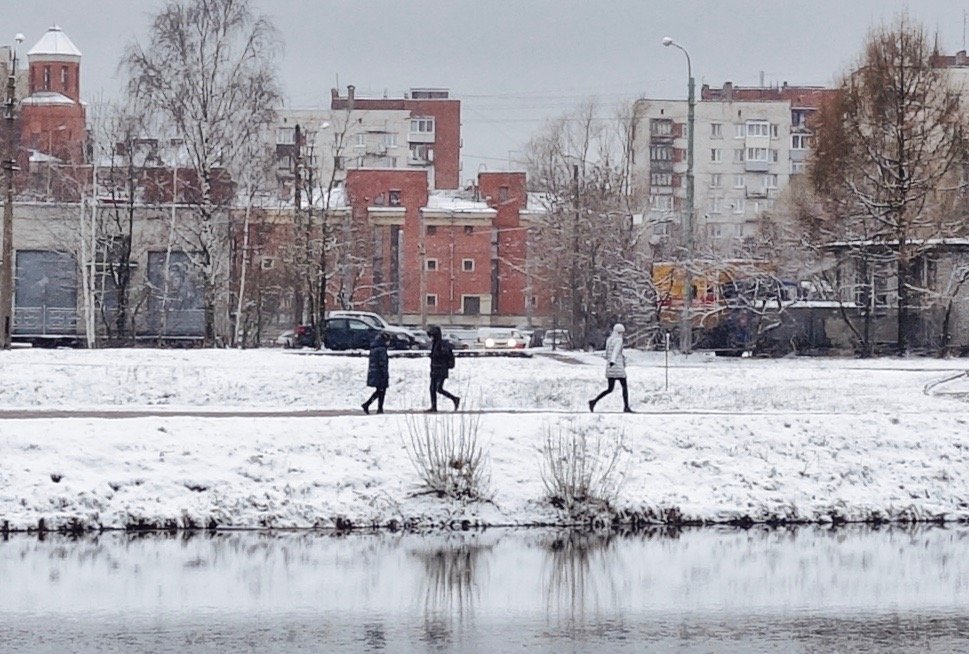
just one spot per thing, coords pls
(667, 41)
(19, 38)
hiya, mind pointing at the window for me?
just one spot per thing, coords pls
(361, 140)
(739, 181)
(716, 155)
(758, 128)
(267, 263)
(661, 127)
(661, 202)
(739, 206)
(661, 179)
(738, 155)
(338, 163)
(716, 130)
(773, 156)
(64, 77)
(430, 299)
(770, 181)
(661, 153)
(471, 305)
(503, 194)
(430, 265)
(716, 180)
(393, 198)
(47, 78)
(716, 205)
(390, 140)
(797, 167)
(469, 229)
(739, 130)
(661, 228)
(774, 130)
(799, 141)
(431, 230)
(284, 164)
(715, 230)
(467, 265)
(358, 325)
(758, 154)
(422, 125)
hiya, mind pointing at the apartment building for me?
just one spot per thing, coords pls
(748, 143)
(420, 131)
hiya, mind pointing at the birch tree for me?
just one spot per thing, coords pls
(208, 68)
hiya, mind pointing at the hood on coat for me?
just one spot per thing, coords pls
(618, 329)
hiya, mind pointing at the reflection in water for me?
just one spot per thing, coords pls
(703, 590)
(449, 585)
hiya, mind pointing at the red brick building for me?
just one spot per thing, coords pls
(52, 116)
(444, 256)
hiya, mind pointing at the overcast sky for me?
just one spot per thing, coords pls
(514, 63)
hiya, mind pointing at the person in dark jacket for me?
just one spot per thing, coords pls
(442, 360)
(378, 372)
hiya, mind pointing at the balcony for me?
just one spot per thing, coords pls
(420, 137)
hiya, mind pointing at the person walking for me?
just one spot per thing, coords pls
(378, 372)
(615, 369)
(442, 361)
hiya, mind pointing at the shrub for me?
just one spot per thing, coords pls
(582, 470)
(446, 453)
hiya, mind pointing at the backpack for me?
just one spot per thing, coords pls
(449, 354)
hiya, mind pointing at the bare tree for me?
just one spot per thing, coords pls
(889, 153)
(591, 253)
(208, 69)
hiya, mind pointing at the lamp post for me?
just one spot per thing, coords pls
(686, 324)
(10, 166)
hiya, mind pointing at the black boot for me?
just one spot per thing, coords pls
(592, 406)
(366, 407)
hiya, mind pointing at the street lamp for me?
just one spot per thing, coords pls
(686, 324)
(10, 166)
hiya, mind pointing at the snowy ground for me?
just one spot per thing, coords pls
(732, 439)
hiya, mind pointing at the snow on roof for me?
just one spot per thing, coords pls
(455, 201)
(47, 98)
(54, 43)
(36, 156)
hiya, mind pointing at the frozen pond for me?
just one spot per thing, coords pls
(704, 590)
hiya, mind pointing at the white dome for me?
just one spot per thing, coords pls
(54, 43)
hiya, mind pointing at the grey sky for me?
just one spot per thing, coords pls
(514, 63)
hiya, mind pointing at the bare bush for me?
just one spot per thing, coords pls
(448, 456)
(582, 470)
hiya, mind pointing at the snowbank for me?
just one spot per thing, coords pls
(731, 440)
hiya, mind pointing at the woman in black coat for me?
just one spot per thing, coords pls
(378, 372)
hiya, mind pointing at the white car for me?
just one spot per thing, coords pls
(500, 337)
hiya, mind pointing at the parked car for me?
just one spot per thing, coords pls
(500, 337)
(373, 319)
(456, 341)
(557, 338)
(422, 337)
(355, 334)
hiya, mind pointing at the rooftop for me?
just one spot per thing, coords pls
(54, 43)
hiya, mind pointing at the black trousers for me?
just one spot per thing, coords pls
(378, 395)
(612, 385)
(437, 386)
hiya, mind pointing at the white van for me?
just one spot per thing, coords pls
(500, 337)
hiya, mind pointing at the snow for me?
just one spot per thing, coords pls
(55, 43)
(276, 438)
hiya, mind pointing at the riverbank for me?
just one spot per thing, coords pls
(803, 440)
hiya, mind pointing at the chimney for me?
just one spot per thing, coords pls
(961, 58)
(350, 90)
(728, 91)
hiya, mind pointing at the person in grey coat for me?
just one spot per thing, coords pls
(615, 369)
(378, 372)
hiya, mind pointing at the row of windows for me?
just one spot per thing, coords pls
(431, 265)
(431, 230)
(752, 128)
(717, 204)
(740, 155)
(768, 181)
